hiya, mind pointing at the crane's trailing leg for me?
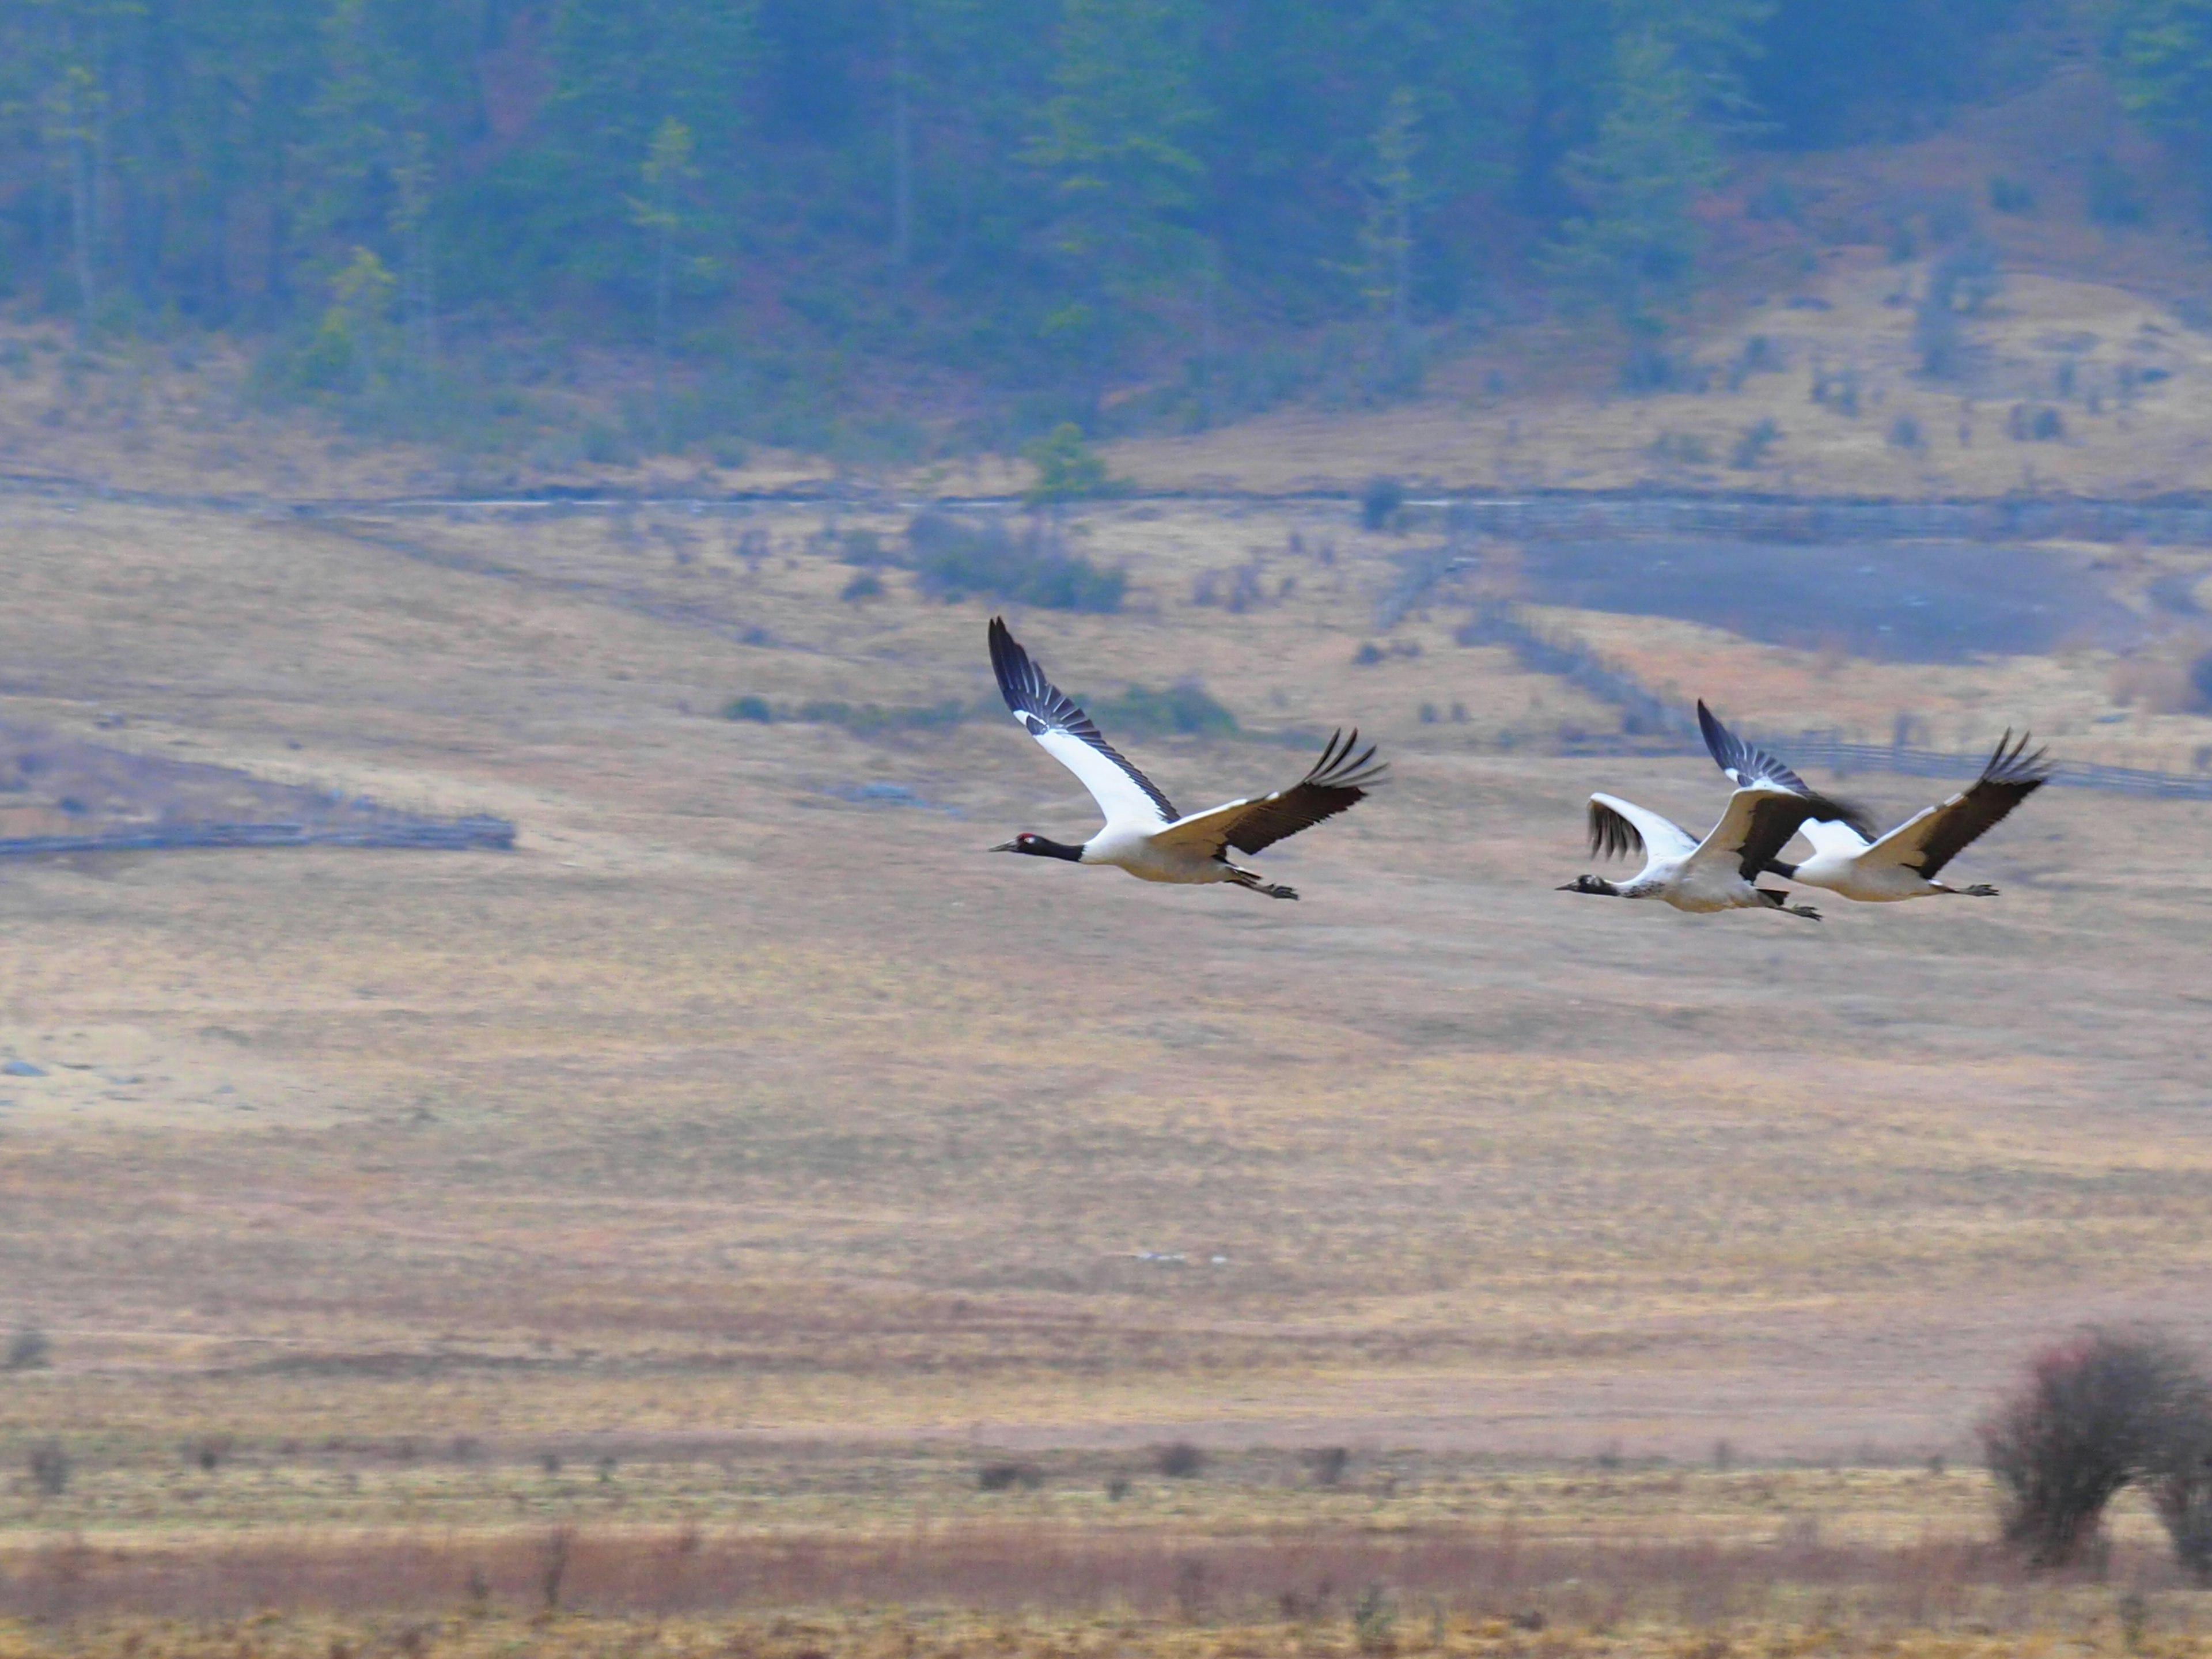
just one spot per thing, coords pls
(1252, 879)
(1781, 901)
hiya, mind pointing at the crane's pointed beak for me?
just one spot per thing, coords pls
(1003, 847)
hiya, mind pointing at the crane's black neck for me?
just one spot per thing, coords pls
(1038, 847)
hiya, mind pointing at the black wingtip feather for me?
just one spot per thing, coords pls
(1339, 768)
(1339, 779)
(2010, 764)
(1039, 705)
(1747, 763)
(1612, 835)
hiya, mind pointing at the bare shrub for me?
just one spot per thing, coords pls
(2179, 1473)
(1960, 284)
(2093, 1414)
(2158, 680)
(553, 1565)
(2181, 1492)
(1681, 449)
(210, 1452)
(1375, 1620)
(1753, 443)
(28, 1350)
(1380, 502)
(1179, 1460)
(1004, 1477)
(49, 1468)
(1327, 1464)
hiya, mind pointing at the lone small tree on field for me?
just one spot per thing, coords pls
(2180, 1484)
(2095, 1412)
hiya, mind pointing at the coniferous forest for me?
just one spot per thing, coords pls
(775, 207)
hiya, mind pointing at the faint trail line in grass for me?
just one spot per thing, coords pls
(2180, 516)
(574, 587)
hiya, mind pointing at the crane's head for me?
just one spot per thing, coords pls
(1590, 885)
(1038, 847)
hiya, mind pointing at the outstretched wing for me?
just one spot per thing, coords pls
(1621, 829)
(1759, 820)
(1749, 765)
(1835, 840)
(1932, 837)
(1746, 763)
(1047, 714)
(1338, 779)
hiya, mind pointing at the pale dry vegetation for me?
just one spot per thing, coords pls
(755, 1132)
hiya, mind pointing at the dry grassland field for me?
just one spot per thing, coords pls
(747, 1199)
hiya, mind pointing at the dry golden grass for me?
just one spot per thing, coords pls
(1564, 433)
(799, 1155)
(718, 1182)
(1052, 1595)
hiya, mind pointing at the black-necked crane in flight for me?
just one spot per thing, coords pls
(1142, 835)
(1902, 864)
(1720, 872)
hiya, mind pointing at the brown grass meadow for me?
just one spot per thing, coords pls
(711, 1189)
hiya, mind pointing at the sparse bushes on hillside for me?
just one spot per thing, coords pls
(864, 719)
(1179, 1460)
(1960, 284)
(1067, 469)
(1681, 449)
(1380, 502)
(49, 1468)
(954, 558)
(2093, 1415)
(1005, 1477)
(2114, 200)
(1185, 708)
(1328, 1464)
(1753, 444)
(2181, 1492)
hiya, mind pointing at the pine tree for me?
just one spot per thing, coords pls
(1116, 142)
(2161, 53)
(1632, 247)
(658, 213)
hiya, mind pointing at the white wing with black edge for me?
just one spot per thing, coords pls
(1933, 836)
(1621, 829)
(1833, 840)
(1746, 763)
(1047, 714)
(1747, 766)
(1339, 779)
(1757, 824)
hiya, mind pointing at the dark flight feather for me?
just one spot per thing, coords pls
(1043, 706)
(2010, 776)
(1337, 781)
